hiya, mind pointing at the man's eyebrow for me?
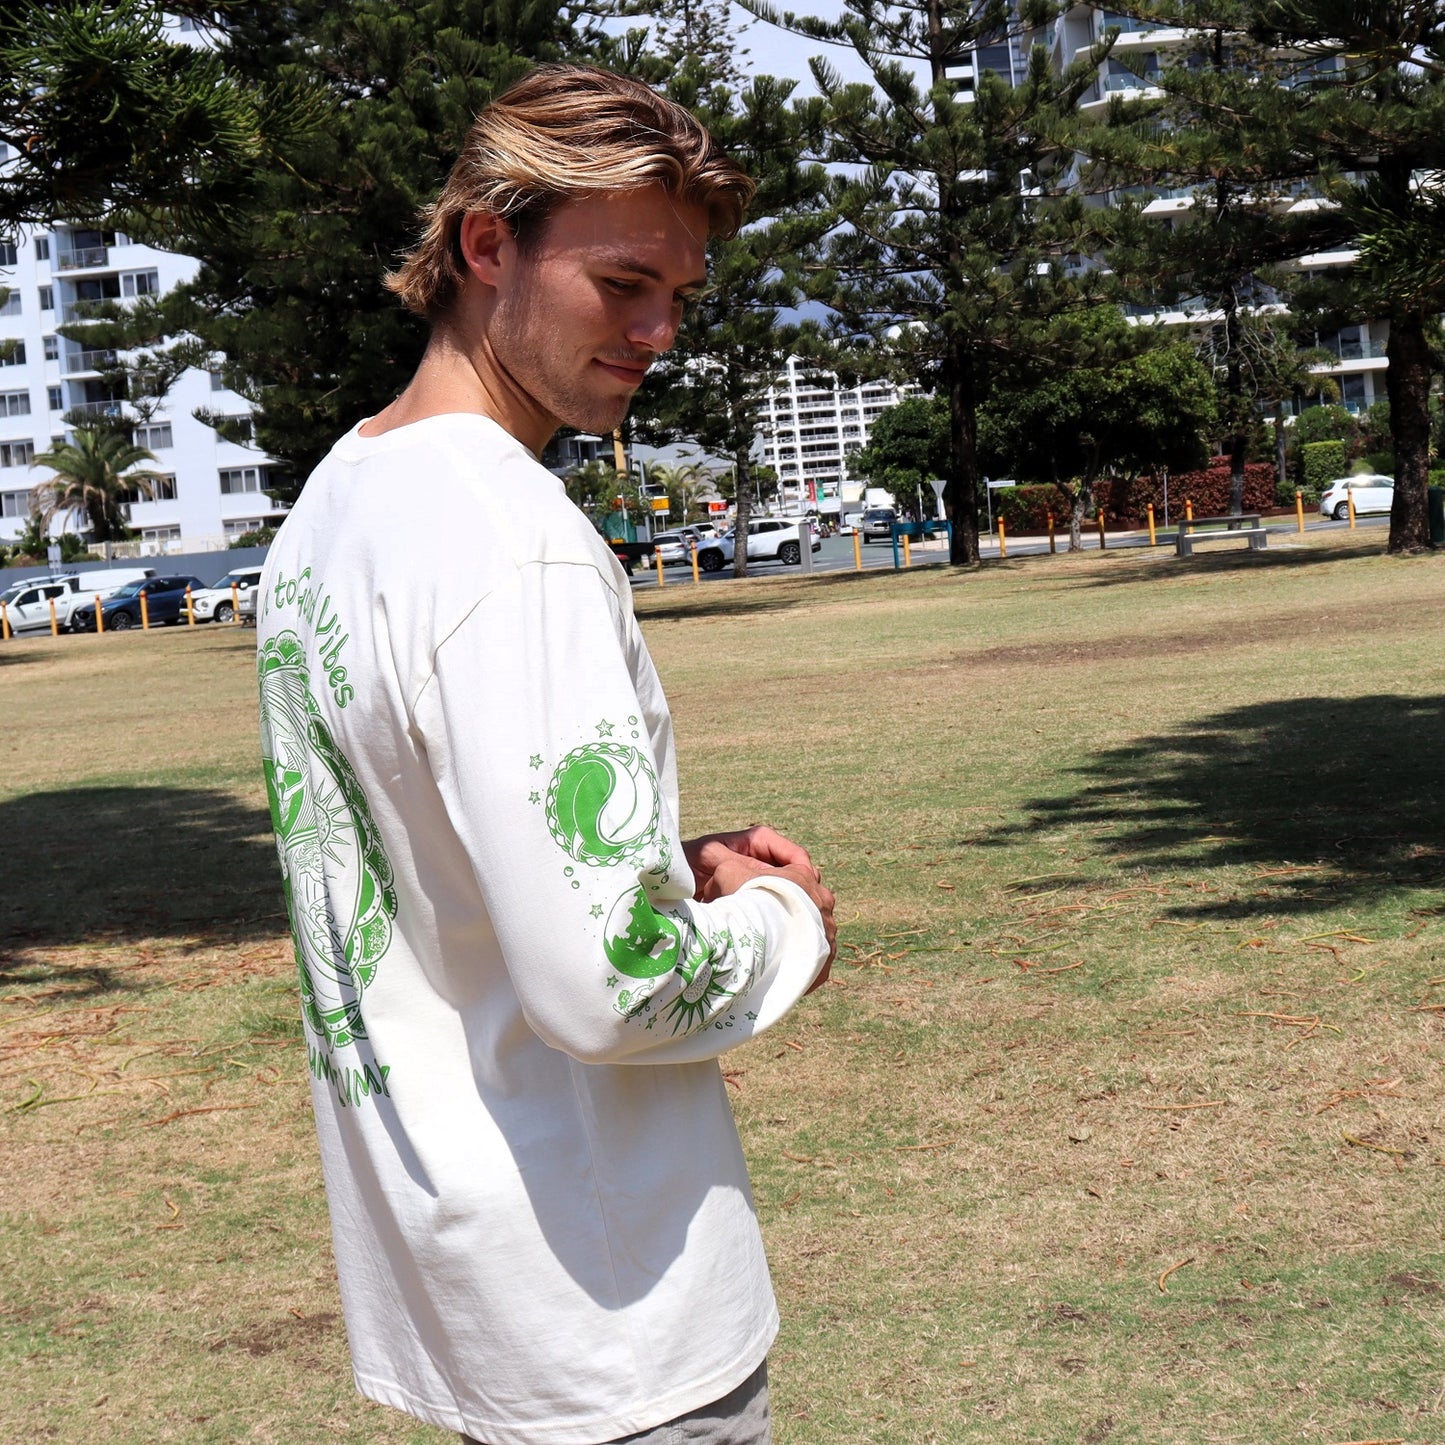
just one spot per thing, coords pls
(641, 268)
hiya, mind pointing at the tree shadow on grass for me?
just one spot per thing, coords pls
(1337, 800)
(110, 865)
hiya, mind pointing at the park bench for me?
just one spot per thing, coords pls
(1245, 525)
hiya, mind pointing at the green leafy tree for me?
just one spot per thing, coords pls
(1137, 404)
(907, 448)
(94, 475)
(959, 230)
(105, 112)
(1373, 118)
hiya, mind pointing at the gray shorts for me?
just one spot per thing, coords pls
(741, 1417)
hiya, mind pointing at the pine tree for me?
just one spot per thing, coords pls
(104, 112)
(1373, 115)
(958, 229)
(711, 388)
(290, 284)
(1214, 125)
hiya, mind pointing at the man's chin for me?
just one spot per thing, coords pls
(600, 417)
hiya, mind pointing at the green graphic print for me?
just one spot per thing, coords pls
(603, 808)
(337, 877)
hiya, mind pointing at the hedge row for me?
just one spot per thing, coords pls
(1026, 509)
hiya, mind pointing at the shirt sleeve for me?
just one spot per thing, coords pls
(538, 742)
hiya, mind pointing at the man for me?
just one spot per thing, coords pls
(515, 976)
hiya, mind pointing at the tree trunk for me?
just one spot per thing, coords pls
(1239, 439)
(1076, 519)
(1407, 383)
(1280, 467)
(961, 494)
(744, 510)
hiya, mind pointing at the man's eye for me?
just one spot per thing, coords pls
(621, 287)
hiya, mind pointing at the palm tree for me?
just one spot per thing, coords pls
(686, 484)
(93, 479)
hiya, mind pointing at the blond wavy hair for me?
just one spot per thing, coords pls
(562, 132)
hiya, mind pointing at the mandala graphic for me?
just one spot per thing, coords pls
(603, 804)
(337, 877)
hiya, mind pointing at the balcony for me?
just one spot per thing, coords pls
(83, 258)
(114, 407)
(1114, 83)
(78, 361)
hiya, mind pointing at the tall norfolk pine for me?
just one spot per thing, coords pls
(956, 226)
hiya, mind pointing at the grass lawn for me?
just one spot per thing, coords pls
(1120, 1121)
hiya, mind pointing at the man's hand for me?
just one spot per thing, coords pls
(723, 862)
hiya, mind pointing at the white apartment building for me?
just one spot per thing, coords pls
(214, 490)
(812, 425)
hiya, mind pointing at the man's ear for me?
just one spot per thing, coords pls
(487, 244)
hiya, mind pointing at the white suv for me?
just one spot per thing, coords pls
(215, 603)
(769, 539)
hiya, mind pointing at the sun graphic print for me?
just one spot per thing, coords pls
(337, 878)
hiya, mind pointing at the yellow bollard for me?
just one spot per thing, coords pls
(1350, 503)
(1299, 508)
(907, 555)
(145, 614)
(1102, 543)
(235, 605)
(857, 551)
(696, 576)
(54, 621)
(190, 611)
(99, 616)
(1188, 510)
(657, 557)
(1052, 548)
(1152, 538)
(1002, 543)
(4, 623)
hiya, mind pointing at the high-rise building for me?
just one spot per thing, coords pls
(214, 490)
(812, 425)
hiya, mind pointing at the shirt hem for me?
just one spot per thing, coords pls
(594, 1430)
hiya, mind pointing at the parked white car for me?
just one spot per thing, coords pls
(27, 602)
(769, 539)
(215, 603)
(1372, 492)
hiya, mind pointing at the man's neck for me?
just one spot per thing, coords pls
(454, 377)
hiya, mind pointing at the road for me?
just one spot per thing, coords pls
(836, 553)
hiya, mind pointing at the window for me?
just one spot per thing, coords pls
(241, 526)
(12, 355)
(156, 434)
(47, 298)
(52, 348)
(55, 398)
(240, 479)
(42, 248)
(14, 504)
(140, 283)
(218, 382)
(236, 428)
(160, 534)
(16, 454)
(14, 403)
(163, 489)
(7, 253)
(10, 306)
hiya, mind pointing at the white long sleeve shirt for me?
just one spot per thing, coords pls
(541, 1214)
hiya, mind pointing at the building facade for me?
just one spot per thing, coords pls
(812, 425)
(214, 490)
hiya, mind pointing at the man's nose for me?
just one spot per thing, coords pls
(655, 327)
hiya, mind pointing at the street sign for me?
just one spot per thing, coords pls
(659, 504)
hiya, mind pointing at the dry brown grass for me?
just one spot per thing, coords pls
(1101, 852)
